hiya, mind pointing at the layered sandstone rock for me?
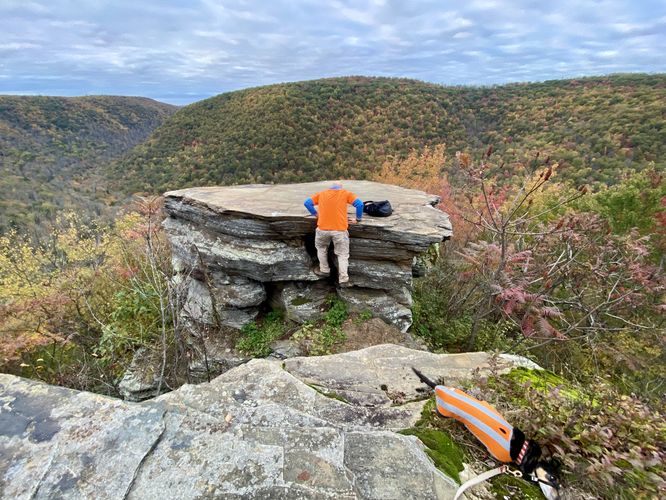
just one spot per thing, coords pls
(238, 248)
(244, 240)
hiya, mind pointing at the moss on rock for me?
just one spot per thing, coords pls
(328, 393)
(300, 301)
(545, 381)
(507, 486)
(440, 446)
(448, 457)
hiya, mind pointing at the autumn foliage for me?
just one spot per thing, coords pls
(540, 261)
(570, 278)
(75, 307)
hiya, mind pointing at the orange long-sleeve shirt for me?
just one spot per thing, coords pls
(332, 208)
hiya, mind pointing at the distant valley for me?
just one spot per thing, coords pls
(54, 151)
(89, 152)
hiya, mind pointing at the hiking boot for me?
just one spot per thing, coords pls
(346, 284)
(319, 272)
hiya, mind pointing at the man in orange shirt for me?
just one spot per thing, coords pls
(332, 224)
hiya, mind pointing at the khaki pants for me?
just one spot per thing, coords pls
(340, 241)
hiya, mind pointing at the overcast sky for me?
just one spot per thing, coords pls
(183, 51)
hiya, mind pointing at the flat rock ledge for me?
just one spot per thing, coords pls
(246, 244)
(309, 428)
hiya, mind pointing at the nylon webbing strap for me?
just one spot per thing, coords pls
(479, 479)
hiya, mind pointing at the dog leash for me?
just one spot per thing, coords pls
(484, 477)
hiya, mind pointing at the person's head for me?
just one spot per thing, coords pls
(336, 185)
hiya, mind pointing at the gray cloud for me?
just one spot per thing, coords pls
(180, 51)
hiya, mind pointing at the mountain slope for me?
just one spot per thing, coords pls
(346, 127)
(52, 147)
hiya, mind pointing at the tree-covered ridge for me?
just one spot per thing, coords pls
(51, 147)
(347, 127)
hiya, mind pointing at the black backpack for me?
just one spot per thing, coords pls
(378, 208)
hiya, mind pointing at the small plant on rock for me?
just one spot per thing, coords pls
(321, 338)
(256, 337)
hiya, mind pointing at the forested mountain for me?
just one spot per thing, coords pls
(347, 127)
(50, 148)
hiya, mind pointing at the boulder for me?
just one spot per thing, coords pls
(236, 249)
(381, 250)
(372, 375)
(381, 275)
(301, 301)
(142, 379)
(212, 355)
(392, 307)
(198, 306)
(312, 430)
(256, 236)
(267, 211)
(260, 260)
(283, 349)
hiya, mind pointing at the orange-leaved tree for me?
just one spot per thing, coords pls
(426, 170)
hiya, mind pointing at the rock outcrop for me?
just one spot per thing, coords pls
(311, 428)
(237, 248)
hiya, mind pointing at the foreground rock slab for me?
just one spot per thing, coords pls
(257, 431)
(382, 375)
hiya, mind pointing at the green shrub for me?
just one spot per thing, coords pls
(256, 337)
(337, 311)
(363, 316)
(320, 338)
(134, 322)
(434, 323)
(78, 307)
(636, 203)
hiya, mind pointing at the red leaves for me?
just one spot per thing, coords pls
(551, 312)
(639, 245)
(527, 326)
(517, 294)
(509, 306)
(520, 257)
(528, 307)
(126, 272)
(548, 330)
